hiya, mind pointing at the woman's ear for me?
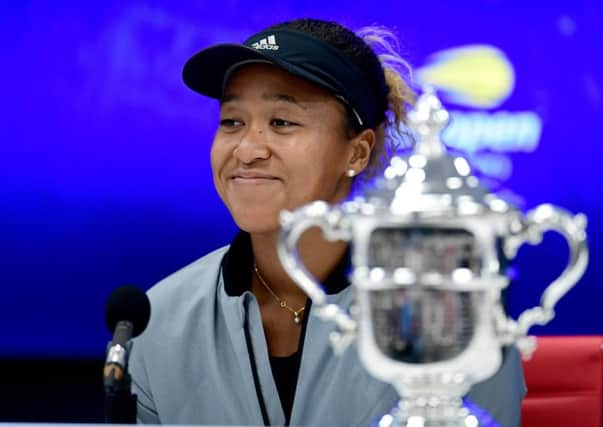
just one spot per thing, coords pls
(362, 147)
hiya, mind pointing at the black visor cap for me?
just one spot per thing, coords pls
(297, 53)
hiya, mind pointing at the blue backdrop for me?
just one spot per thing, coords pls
(104, 167)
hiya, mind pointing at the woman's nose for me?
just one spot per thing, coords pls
(252, 146)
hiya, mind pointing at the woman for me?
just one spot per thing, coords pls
(304, 110)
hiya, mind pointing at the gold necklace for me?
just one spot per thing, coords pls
(281, 302)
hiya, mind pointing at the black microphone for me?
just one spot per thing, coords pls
(127, 314)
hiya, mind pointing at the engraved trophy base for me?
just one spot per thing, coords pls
(436, 412)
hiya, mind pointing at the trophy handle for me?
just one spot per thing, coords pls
(537, 221)
(334, 227)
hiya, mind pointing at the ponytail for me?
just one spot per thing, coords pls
(393, 133)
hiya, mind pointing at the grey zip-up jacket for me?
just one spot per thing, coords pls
(192, 365)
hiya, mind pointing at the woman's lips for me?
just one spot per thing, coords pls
(253, 178)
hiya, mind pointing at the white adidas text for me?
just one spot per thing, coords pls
(269, 43)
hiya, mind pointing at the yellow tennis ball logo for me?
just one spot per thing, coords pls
(475, 76)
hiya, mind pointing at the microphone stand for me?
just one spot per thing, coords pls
(120, 403)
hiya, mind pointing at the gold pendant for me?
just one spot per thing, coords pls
(296, 316)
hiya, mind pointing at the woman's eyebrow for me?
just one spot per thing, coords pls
(281, 97)
(284, 98)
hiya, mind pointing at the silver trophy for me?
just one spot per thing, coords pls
(429, 248)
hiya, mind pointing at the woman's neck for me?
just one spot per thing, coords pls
(319, 256)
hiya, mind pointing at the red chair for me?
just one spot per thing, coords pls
(565, 383)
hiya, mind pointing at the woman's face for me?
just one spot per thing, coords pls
(281, 143)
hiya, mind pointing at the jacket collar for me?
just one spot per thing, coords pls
(237, 267)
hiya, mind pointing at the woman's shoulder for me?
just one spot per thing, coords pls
(188, 286)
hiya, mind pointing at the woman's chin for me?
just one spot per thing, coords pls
(258, 225)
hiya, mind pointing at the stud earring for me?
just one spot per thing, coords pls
(351, 173)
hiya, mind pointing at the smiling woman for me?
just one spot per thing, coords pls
(305, 108)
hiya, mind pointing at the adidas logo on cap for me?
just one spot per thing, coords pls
(269, 43)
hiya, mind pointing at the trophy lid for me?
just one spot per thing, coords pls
(430, 180)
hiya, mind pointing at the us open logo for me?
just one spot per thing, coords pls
(479, 79)
(269, 43)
